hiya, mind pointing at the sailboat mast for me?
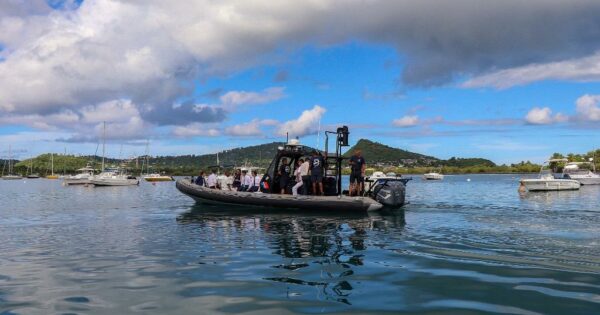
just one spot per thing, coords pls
(103, 143)
(9, 160)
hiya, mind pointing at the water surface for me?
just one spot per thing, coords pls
(460, 247)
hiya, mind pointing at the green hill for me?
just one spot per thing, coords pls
(380, 154)
(377, 153)
(467, 162)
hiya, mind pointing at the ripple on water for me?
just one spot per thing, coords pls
(459, 247)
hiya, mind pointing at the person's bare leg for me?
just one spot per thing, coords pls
(321, 188)
(314, 188)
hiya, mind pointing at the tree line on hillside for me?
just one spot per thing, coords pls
(261, 156)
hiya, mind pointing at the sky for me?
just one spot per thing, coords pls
(504, 80)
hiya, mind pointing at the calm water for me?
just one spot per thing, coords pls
(460, 247)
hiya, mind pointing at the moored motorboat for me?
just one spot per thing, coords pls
(84, 177)
(547, 181)
(433, 176)
(390, 193)
(574, 170)
(114, 177)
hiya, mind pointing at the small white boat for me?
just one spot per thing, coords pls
(573, 170)
(84, 177)
(114, 178)
(547, 181)
(433, 176)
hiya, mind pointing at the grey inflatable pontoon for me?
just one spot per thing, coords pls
(385, 192)
(326, 203)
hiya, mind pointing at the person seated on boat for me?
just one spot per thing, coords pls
(227, 182)
(246, 181)
(357, 173)
(284, 175)
(255, 182)
(316, 172)
(200, 181)
(237, 180)
(211, 181)
(301, 171)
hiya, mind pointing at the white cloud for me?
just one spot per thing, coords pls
(587, 107)
(232, 99)
(196, 130)
(245, 130)
(539, 116)
(153, 51)
(303, 125)
(406, 121)
(578, 69)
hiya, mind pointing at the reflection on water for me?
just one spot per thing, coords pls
(332, 244)
(461, 246)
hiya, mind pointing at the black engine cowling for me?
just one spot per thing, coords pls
(390, 193)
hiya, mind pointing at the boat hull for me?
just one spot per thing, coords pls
(249, 199)
(589, 181)
(76, 181)
(11, 177)
(550, 185)
(433, 177)
(159, 179)
(114, 182)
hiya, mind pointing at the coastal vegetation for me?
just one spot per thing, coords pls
(380, 157)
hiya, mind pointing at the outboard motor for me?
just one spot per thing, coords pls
(390, 193)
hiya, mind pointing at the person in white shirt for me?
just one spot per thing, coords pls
(255, 186)
(246, 181)
(300, 172)
(211, 181)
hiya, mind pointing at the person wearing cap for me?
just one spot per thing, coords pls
(357, 173)
(284, 175)
(316, 172)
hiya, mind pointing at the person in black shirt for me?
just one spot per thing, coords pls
(200, 180)
(284, 175)
(316, 172)
(357, 174)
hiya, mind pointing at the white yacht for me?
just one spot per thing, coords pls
(433, 176)
(585, 176)
(547, 181)
(114, 177)
(84, 177)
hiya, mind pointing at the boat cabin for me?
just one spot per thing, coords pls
(292, 151)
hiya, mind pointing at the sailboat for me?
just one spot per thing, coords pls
(152, 177)
(30, 173)
(10, 175)
(52, 176)
(112, 176)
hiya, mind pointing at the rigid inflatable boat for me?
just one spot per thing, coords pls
(385, 192)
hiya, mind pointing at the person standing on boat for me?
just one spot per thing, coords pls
(357, 174)
(316, 172)
(211, 182)
(284, 175)
(200, 181)
(301, 171)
